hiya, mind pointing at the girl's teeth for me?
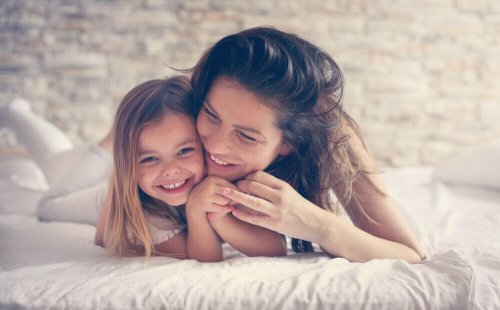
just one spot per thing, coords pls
(220, 162)
(174, 186)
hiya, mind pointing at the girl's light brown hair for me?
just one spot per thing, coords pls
(126, 231)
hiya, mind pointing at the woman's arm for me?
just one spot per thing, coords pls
(287, 212)
(249, 239)
(381, 229)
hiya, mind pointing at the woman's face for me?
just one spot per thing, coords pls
(238, 131)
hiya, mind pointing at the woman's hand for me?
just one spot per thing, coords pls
(279, 206)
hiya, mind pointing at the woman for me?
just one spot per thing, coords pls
(269, 113)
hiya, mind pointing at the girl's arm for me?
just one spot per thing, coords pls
(249, 239)
(203, 243)
(174, 247)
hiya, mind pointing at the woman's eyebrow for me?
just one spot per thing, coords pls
(207, 103)
(240, 127)
(255, 131)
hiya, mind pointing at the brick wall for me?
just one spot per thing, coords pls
(423, 77)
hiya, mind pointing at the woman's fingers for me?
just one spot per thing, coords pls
(266, 179)
(220, 200)
(252, 202)
(219, 209)
(259, 220)
(258, 189)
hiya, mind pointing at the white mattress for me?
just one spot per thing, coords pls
(56, 265)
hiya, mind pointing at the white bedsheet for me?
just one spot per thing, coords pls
(56, 265)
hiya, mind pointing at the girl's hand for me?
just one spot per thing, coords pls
(206, 197)
(279, 206)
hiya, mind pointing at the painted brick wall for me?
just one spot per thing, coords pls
(423, 76)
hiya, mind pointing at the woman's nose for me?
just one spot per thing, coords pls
(217, 143)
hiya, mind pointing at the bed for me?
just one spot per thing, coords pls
(56, 265)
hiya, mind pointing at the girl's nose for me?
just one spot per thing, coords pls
(170, 169)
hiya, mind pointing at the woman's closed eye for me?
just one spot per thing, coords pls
(246, 137)
(210, 114)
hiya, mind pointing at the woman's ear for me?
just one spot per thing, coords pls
(285, 149)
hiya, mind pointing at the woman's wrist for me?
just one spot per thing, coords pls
(321, 225)
(326, 231)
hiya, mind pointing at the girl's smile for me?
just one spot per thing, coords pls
(170, 165)
(177, 187)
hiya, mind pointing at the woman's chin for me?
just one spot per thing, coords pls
(226, 175)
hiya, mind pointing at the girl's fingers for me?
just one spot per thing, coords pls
(265, 178)
(255, 203)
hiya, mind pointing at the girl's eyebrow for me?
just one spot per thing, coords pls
(187, 141)
(190, 140)
(240, 127)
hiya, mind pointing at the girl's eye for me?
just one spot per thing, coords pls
(210, 115)
(246, 137)
(185, 151)
(148, 159)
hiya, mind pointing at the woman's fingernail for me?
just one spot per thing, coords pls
(226, 191)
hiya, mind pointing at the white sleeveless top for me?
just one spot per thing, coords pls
(161, 229)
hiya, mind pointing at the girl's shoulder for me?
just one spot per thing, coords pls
(157, 221)
(161, 228)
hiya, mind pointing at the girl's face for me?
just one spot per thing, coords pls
(170, 159)
(238, 131)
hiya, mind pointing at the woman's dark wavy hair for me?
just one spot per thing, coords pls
(304, 85)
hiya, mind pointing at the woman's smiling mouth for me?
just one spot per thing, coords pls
(219, 164)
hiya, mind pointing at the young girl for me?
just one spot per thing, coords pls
(158, 160)
(78, 177)
(269, 113)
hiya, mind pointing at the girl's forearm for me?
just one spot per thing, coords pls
(249, 239)
(203, 243)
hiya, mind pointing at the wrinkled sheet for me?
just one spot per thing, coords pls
(56, 265)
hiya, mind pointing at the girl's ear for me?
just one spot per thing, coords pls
(285, 149)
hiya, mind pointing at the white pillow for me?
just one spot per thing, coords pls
(22, 184)
(478, 166)
(21, 172)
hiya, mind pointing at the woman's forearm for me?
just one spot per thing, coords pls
(249, 239)
(340, 238)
